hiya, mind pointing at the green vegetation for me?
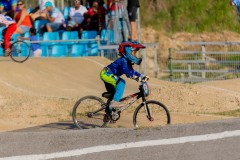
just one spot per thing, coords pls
(189, 15)
(234, 113)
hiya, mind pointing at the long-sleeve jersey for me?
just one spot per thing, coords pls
(236, 2)
(122, 66)
(5, 20)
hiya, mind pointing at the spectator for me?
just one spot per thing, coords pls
(7, 32)
(237, 4)
(132, 8)
(22, 19)
(97, 14)
(86, 24)
(36, 47)
(55, 18)
(40, 11)
(8, 7)
(93, 12)
(111, 9)
(76, 17)
(77, 12)
(102, 14)
(110, 6)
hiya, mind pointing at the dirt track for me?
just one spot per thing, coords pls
(42, 91)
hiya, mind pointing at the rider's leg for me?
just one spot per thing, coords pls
(110, 82)
(119, 90)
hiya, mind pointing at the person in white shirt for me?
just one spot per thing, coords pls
(77, 12)
(11, 27)
(54, 16)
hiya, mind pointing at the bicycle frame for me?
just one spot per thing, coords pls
(133, 97)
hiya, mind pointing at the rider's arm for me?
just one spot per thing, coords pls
(128, 70)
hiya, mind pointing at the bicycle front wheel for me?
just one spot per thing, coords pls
(151, 114)
(20, 51)
(88, 112)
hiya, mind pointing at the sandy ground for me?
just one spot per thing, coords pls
(42, 91)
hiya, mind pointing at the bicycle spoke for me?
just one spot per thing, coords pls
(87, 113)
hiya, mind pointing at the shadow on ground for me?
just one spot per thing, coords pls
(68, 125)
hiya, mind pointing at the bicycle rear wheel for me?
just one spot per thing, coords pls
(88, 112)
(159, 113)
(20, 51)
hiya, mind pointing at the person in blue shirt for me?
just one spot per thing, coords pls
(8, 7)
(36, 47)
(236, 3)
(111, 74)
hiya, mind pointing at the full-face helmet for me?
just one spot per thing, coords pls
(129, 50)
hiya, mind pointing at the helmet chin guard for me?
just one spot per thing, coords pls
(127, 48)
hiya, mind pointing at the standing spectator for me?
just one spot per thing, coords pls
(36, 47)
(132, 8)
(93, 12)
(40, 11)
(237, 4)
(102, 14)
(23, 19)
(8, 7)
(55, 18)
(110, 6)
(97, 14)
(7, 32)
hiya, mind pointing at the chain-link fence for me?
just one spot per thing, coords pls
(204, 61)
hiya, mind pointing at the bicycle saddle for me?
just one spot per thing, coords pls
(107, 95)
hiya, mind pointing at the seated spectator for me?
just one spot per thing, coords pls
(77, 13)
(8, 7)
(36, 47)
(22, 19)
(55, 18)
(40, 11)
(76, 17)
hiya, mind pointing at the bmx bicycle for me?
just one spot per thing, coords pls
(20, 50)
(88, 111)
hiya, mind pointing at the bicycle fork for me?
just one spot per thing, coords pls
(147, 110)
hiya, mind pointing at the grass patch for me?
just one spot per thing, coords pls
(189, 16)
(233, 113)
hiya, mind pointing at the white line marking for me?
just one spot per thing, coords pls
(112, 147)
(91, 60)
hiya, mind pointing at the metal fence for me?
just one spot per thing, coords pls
(204, 61)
